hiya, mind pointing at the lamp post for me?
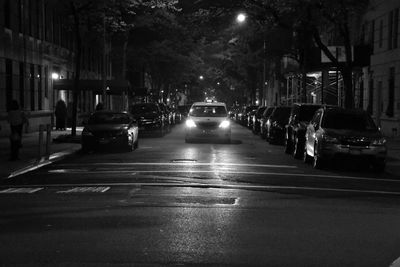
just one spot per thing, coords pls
(241, 18)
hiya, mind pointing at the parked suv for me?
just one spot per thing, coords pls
(335, 132)
(295, 130)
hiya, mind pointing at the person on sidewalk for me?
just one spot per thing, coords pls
(61, 114)
(17, 119)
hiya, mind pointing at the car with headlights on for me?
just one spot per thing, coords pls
(208, 121)
(338, 132)
(110, 129)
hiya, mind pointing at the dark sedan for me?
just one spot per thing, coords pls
(110, 129)
(150, 118)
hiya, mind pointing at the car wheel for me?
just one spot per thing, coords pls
(297, 148)
(318, 162)
(136, 144)
(306, 157)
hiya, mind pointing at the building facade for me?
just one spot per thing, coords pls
(37, 50)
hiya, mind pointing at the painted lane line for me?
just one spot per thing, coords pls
(20, 190)
(231, 186)
(228, 172)
(183, 164)
(87, 189)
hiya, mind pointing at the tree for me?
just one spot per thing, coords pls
(316, 18)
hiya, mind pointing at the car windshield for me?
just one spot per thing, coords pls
(260, 111)
(307, 112)
(281, 114)
(348, 121)
(109, 118)
(144, 108)
(208, 111)
(268, 112)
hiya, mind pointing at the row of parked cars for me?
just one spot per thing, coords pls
(121, 129)
(318, 133)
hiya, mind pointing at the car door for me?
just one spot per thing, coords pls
(312, 129)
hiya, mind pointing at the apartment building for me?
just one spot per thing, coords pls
(37, 62)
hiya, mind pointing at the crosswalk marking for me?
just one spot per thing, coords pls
(20, 190)
(98, 189)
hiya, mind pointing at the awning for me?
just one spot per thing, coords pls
(114, 87)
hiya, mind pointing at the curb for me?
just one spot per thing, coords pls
(43, 162)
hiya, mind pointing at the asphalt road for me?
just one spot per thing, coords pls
(172, 203)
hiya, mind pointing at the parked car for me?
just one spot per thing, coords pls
(110, 129)
(182, 112)
(276, 125)
(246, 114)
(208, 121)
(150, 118)
(263, 121)
(257, 118)
(295, 131)
(335, 132)
(167, 115)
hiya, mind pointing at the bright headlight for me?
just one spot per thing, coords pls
(224, 124)
(379, 142)
(190, 123)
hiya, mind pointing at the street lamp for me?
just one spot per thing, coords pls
(241, 17)
(201, 77)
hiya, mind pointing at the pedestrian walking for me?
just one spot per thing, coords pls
(61, 114)
(17, 119)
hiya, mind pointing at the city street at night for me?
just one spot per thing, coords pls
(172, 203)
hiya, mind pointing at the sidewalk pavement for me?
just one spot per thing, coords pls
(63, 145)
(29, 153)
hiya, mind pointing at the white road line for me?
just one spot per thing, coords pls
(227, 172)
(230, 186)
(20, 190)
(182, 164)
(87, 189)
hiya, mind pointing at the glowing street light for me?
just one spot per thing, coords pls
(201, 77)
(55, 76)
(241, 18)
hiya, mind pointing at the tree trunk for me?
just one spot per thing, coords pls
(78, 51)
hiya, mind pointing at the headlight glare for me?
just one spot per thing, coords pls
(224, 124)
(190, 123)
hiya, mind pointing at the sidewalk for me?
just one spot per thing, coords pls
(29, 153)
